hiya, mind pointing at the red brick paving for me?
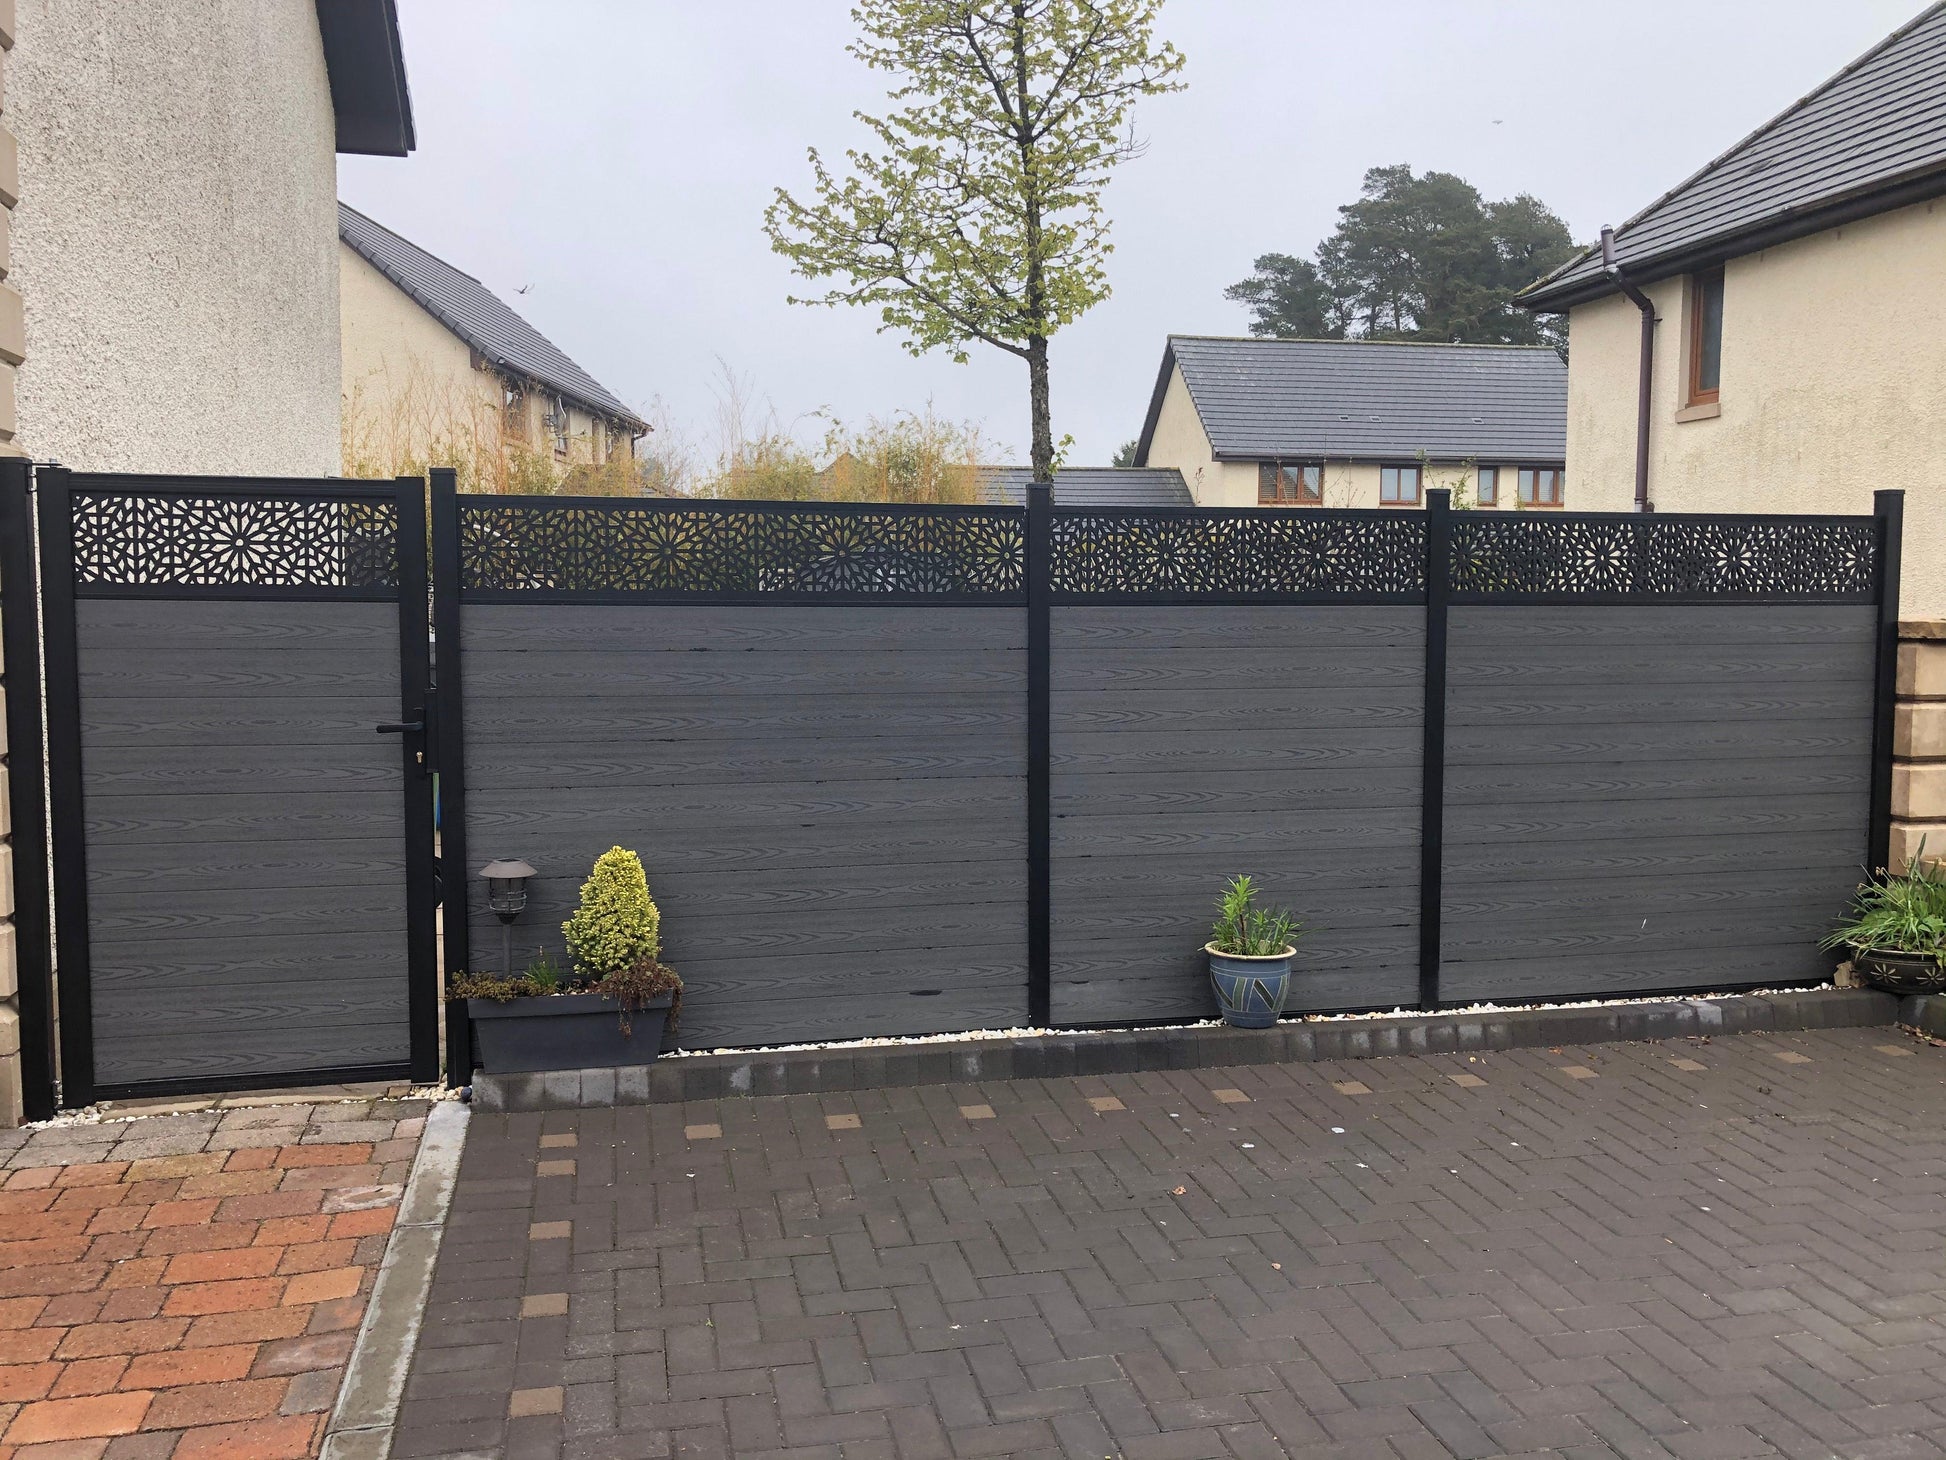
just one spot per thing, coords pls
(166, 1308)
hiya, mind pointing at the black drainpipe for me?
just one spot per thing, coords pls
(1645, 388)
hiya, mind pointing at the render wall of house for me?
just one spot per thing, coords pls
(407, 381)
(1180, 441)
(589, 438)
(175, 244)
(1833, 386)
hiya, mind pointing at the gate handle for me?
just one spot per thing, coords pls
(397, 729)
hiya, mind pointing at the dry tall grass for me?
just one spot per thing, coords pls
(918, 457)
(422, 421)
(913, 456)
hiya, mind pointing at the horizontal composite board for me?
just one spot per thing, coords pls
(830, 802)
(1645, 799)
(1193, 743)
(245, 838)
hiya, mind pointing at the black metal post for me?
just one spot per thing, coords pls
(1889, 508)
(67, 825)
(1040, 588)
(1432, 824)
(415, 697)
(27, 791)
(449, 759)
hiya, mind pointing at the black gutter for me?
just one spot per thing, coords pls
(1645, 385)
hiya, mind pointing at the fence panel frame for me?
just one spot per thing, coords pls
(58, 488)
(491, 551)
(1243, 555)
(27, 789)
(1888, 508)
(1271, 558)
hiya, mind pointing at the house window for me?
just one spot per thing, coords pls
(1487, 487)
(1542, 486)
(1290, 484)
(1398, 486)
(1705, 336)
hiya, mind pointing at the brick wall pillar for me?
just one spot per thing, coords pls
(11, 349)
(1919, 745)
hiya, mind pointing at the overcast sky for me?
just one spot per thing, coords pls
(613, 158)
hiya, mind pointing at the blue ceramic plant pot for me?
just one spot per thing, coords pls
(1250, 991)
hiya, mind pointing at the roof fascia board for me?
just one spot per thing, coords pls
(1784, 228)
(1393, 458)
(1156, 398)
(364, 60)
(496, 360)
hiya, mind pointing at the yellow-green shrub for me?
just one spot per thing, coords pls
(617, 925)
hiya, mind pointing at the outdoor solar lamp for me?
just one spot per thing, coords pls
(507, 896)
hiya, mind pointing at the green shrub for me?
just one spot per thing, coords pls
(616, 927)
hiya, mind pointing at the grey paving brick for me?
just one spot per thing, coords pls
(1741, 1260)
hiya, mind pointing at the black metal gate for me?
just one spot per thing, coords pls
(243, 858)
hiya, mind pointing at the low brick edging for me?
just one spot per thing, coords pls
(1924, 1014)
(1134, 1051)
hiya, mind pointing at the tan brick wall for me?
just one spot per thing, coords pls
(1919, 745)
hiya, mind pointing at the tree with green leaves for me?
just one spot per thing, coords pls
(978, 217)
(1416, 257)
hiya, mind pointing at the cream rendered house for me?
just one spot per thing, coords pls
(168, 253)
(1798, 287)
(171, 286)
(431, 354)
(1358, 423)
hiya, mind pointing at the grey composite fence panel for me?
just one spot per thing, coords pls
(1191, 743)
(829, 801)
(245, 837)
(1651, 798)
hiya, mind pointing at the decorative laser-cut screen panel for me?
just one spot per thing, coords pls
(1509, 556)
(684, 550)
(218, 540)
(1188, 555)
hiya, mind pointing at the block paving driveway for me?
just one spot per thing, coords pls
(188, 1287)
(1689, 1249)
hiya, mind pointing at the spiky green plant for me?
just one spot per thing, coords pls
(1245, 930)
(1897, 914)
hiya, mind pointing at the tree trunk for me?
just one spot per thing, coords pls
(1037, 404)
(1036, 295)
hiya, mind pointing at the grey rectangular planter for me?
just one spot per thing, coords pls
(564, 1032)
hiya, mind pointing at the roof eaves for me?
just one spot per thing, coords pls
(463, 330)
(1883, 196)
(1532, 296)
(364, 62)
(1396, 458)
(1156, 398)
